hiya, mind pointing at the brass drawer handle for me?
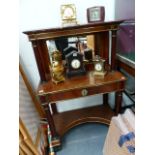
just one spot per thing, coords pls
(84, 92)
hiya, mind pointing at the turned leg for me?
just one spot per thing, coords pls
(118, 102)
(54, 108)
(105, 98)
(55, 138)
(44, 99)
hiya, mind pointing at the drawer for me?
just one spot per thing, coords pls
(82, 92)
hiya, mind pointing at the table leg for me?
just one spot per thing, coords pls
(55, 137)
(105, 98)
(118, 102)
(54, 108)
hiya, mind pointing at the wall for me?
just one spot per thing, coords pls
(125, 9)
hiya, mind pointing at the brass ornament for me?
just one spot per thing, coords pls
(57, 68)
(84, 92)
(99, 66)
(68, 15)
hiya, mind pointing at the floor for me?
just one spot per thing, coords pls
(86, 139)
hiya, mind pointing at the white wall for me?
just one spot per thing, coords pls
(37, 14)
(125, 9)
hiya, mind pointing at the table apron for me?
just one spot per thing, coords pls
(75, 93)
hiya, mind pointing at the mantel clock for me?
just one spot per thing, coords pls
(75, 64)
(68, 14)
(99, 66)
(96, 14)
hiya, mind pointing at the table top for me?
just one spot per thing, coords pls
(84, 81)
(86, 25)
(51, 33)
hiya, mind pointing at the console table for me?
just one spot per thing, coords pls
(79, 86)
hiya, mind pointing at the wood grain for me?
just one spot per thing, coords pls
(51, 33)
(80, 82)
(67, 120)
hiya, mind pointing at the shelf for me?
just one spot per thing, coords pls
(67, 120)
(84, 29)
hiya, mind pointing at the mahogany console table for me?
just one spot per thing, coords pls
(79, 86)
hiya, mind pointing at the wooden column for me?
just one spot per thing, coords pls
(42, 59)
(113, 49)
(54, 108)
(118, 102)
(102, 45)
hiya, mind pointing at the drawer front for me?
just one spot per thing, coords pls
(82, 92)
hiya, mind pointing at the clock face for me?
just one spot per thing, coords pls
(95, 14)
(98, 67)
(68, 12)
(75, 64)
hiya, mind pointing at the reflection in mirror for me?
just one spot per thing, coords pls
(82, 44)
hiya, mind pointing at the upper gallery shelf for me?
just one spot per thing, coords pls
(45, 34)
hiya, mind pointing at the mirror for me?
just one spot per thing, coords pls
(83, 44)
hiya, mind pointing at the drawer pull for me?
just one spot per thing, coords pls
(84, 92)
